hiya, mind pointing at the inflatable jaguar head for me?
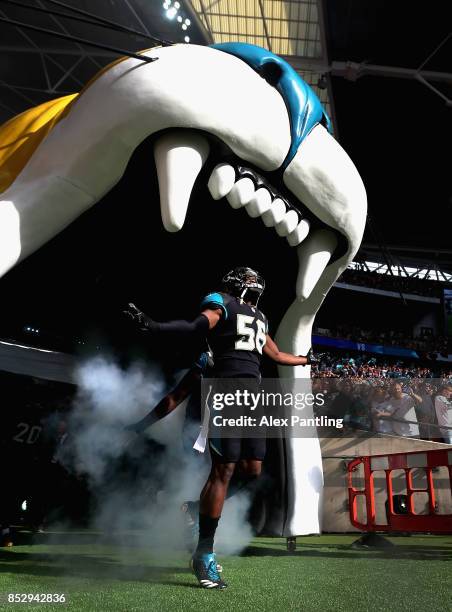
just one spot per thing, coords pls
(236, 109)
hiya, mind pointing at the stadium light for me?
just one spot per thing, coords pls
(172, 11)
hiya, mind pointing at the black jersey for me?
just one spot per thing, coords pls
(238, 339)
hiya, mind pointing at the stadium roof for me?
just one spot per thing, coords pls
(36, 66)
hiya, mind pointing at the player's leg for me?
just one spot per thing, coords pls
(250, 468)
(245, 477)
(252, 455)
(244, 480)
(214, 491)
(248, 475)
(224, 455)
(211, 504)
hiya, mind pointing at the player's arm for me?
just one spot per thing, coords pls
(170, 402)
(198, 327)
(272, 351)
(213, 316)
(212, 310)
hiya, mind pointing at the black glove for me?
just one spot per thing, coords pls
(311, 358)
(134, 313)
(137, 316)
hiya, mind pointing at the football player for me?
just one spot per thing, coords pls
(237, 333)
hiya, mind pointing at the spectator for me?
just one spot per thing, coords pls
(359, 416)
(342, 402)
(379, 410)
(402, 407)
(426, 412)
(443, 408)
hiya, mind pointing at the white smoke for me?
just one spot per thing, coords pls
(234, 532)
(148, 505)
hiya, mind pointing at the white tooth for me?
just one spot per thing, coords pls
(241, 193)
(179, 157)
(288, 224)
(259, 203)
(221, 181)
(275, 214)
(299, 233)
(313, 255)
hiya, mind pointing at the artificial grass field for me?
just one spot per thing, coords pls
(324, 573)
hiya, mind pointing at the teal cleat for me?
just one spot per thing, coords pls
(205, 569)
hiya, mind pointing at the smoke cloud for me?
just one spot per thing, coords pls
(139, 483)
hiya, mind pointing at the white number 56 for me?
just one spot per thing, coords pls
(249, 339)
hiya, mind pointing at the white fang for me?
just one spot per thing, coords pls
(179, 157)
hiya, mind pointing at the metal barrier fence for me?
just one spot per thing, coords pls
(409, 520)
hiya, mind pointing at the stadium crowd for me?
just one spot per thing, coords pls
(390, 398)
(424, 343)
(361, 365)
(387, 282)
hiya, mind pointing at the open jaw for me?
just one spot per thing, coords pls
(184, 157)
(213, 118)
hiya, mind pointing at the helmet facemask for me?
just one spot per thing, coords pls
(244, 283)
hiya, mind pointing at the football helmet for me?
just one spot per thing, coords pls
(244, 283)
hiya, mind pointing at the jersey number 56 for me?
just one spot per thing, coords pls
(250, 339)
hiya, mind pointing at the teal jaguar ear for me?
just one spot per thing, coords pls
(303, 106)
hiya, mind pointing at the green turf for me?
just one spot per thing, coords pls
(323, 574)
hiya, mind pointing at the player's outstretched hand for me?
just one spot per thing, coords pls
(138, 317)
(131, 311)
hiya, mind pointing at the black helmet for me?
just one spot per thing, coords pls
(244, 283)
